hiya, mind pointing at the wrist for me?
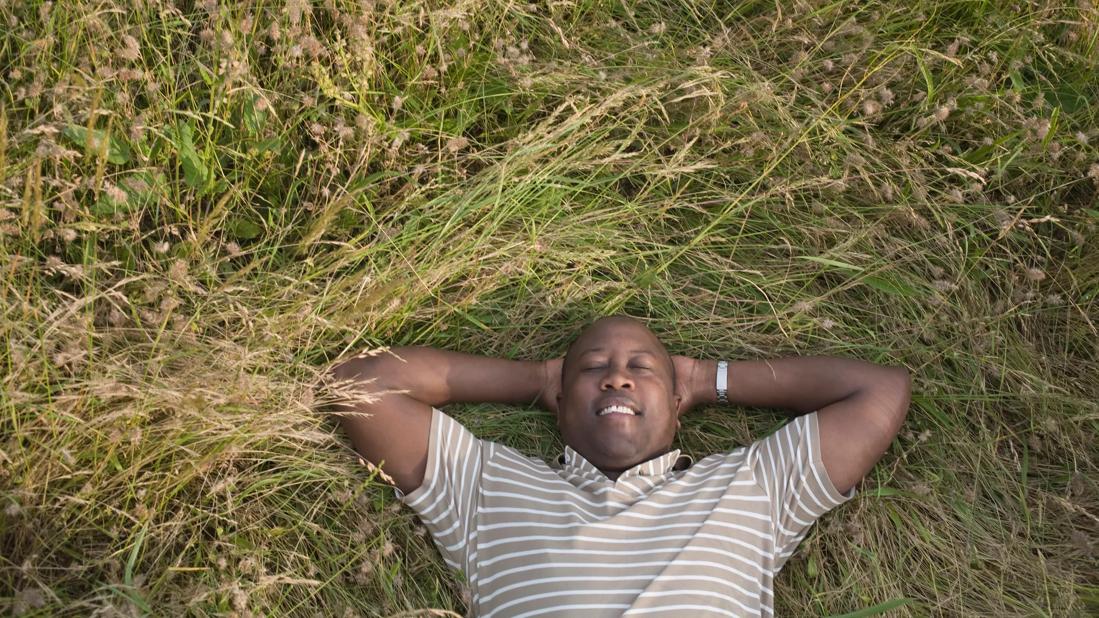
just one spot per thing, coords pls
(551, 372)
(705, 380)
(550, 383)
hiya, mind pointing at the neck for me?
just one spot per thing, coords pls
(614, 473)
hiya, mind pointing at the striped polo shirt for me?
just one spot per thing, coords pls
(669, 537)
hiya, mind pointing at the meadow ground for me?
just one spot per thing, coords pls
(203, 205)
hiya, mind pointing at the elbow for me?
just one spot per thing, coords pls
(348, 387)
(903, 377)
(900, 387)
(344, 374)
(383, 367)
(357, 369)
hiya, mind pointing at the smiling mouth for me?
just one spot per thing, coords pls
(617, 410)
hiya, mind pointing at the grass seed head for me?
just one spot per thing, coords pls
(1093, 173)
(131, 49)
(1035, 274)
(254, 328)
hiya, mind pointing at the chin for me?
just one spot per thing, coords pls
(617, 459)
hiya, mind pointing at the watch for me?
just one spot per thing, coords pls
(722, 382)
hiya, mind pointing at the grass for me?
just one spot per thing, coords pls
(202, 206)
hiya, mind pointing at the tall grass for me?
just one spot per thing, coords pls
(201, 206)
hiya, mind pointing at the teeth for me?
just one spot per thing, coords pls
(616, 410)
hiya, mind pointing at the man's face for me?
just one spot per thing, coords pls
(618, 361)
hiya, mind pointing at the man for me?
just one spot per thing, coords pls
(622, 523)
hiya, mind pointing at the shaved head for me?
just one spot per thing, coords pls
(621, 319)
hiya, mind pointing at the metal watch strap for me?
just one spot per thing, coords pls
(722, 382)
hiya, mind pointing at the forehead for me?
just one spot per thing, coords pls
(613, 336)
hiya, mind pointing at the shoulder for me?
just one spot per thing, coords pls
(502, 459)
(722, 469)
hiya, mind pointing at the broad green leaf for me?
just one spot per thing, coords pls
(828, 262)
(243, 229)
(1066, 96)
(144, 187)
(890, 286)
(1018, 82)
(272, 144)
(254, 119)
(117, 151)
(107, 205)
(195, 172)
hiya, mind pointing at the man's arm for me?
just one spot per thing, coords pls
(861, 406)
(391, 429)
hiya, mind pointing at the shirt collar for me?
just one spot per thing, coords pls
(672, 461)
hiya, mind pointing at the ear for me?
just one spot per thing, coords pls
(678, 407)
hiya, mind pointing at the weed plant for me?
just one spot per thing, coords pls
(204, 204)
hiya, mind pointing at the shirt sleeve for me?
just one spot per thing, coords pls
(446, 500)
(788, 465)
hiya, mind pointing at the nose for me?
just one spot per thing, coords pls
(616, 379)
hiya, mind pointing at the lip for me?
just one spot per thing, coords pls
(618, 401)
